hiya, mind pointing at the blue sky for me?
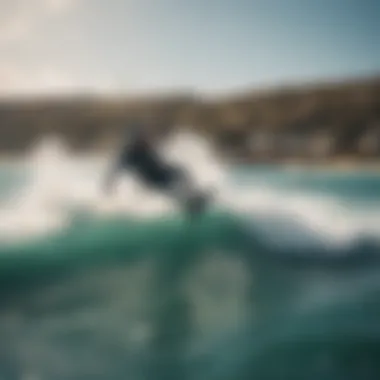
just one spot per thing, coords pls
(212, 46)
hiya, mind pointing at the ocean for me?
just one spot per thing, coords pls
(279, 279)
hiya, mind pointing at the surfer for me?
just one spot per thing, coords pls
(140, 157)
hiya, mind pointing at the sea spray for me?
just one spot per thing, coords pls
(60, 184)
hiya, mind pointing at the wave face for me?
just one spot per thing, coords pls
(280, 279)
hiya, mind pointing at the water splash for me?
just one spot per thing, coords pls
(61, 181)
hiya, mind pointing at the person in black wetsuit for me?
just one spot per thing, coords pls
(139, 156)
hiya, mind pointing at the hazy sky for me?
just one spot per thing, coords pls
(204, 45)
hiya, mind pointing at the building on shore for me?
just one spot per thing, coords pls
(261, 144)
(369, 143)
(321, 145)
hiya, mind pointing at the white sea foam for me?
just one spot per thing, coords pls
(61, 182)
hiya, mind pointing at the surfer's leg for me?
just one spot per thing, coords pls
(179, 184)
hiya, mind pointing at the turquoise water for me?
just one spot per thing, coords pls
(120, 296)
(354, 186)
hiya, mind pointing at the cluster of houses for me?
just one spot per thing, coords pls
(264, 144)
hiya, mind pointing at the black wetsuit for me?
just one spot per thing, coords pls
(141, 159)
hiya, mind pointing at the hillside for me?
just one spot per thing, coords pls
(321, 121)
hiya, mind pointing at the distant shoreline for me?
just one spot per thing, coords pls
(330, 125)
(338, 166)
(341, 165)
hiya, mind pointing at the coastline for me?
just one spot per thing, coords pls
(337, 164)
(340, 165)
